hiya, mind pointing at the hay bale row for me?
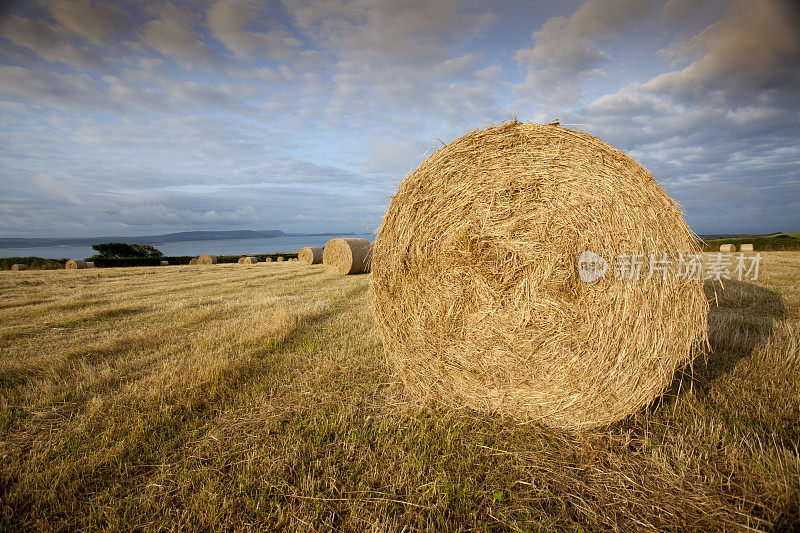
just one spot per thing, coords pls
(347, 255)
(207, 259)
(476, 291)
(248, 260)
(74, 264)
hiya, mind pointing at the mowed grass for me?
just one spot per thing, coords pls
(252, 397)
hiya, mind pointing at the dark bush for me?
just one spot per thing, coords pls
(33, 263)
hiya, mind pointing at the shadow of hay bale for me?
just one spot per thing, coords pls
(741, 317)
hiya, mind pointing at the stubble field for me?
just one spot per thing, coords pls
(257, 396)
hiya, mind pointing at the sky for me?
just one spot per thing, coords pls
(147, 117)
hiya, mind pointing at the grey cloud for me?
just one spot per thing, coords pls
(406, 31)
(50, 88)
(567, 51)
(732, 170)
(755, 47)
(49, 41)
(96, 22)
(232, 23)
(172, 36)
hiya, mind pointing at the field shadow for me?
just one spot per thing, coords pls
(741, 317)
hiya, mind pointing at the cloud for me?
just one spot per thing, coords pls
(57, 90)
(96, 22)
(172, 35)
(51, 187)
(402, 31)
(393, 57)
(236, 24)
(49, 41)
(755, 47)
(567, 50)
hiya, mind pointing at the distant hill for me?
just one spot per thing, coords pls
(182, 236)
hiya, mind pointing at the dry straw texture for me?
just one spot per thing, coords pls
(19, 266)
(248, 260)
(207, 259)
(347, 255)
(727, 248)
(476, 291)
(73, 264)
(746, 248)
(164, 263)
(193, 261)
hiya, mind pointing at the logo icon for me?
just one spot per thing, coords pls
(591, 267)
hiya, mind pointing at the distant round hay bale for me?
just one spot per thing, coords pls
(249, 260)
(89, 264)
(279, 259)
(310, 255)
(207, 259)
(268, 259)
(193, 261)
(477, 291)
(293, 259)
(163, 263)
(19, 266)
(347, 255)
(73, 264)
(241, 260)
(746, 248)
(727, 248)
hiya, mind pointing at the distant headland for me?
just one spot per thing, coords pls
(183, 236)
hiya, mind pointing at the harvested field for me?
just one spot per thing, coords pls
(236, 398)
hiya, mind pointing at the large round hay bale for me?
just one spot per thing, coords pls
(746, 248)
(347, 255)
(249, 260)
(477, 291)
(727, 248)
(19, 266)
(73, 264)
(206, 259)
(310, 255)
(163, 263)
(193, 261)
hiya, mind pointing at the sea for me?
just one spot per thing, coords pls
(192, 248)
